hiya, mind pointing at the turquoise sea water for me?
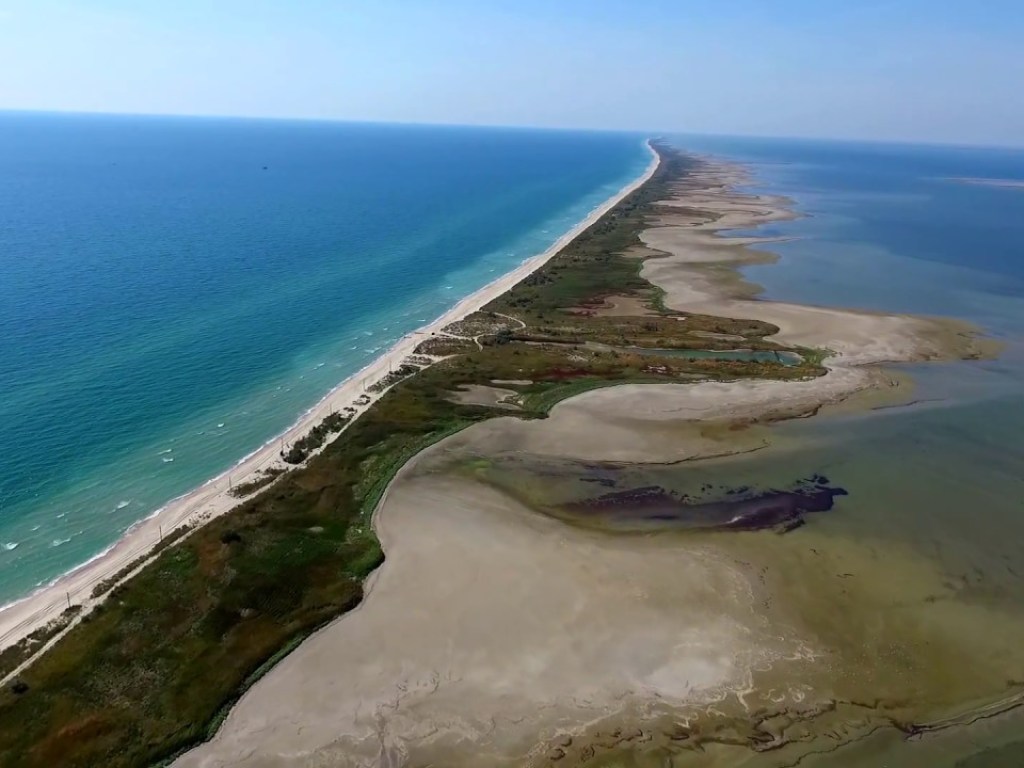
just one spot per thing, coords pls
(175, 292)
(887, 228)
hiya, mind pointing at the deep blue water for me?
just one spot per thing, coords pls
(176, 291)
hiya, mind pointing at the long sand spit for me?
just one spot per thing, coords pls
(694, 261)
(496, 636)
(214, 497)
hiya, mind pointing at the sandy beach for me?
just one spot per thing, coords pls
(495, 635)
(213, 498)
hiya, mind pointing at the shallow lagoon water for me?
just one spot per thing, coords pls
(931, 527)
(885, 229)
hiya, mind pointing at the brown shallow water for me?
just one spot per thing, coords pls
(517, 622)
(593, 589)
(914, 582)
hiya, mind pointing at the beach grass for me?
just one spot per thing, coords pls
(150, 671)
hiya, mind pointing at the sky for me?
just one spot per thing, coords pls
(947, 71)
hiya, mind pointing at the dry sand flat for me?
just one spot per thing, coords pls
(493, 635)
(661, 423)
(696, 269)
(491, 627)
(492, 397)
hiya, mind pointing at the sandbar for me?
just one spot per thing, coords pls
(494, 635)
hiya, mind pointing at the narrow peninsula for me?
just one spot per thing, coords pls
(548, 597)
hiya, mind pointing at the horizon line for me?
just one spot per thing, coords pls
(649, 134)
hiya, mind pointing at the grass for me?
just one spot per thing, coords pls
(111, 581)
(265, 478)
(316, 437)
(154, 669)
(14, 655)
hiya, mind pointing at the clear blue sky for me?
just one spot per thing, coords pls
(930, 70)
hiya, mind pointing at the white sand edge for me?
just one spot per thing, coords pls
(213, 498)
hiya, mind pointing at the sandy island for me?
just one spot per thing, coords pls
(493, 635)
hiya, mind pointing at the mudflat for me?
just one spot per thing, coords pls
(496, 635)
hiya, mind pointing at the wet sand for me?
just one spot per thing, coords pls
(492, 630)
(494, 635)
(695, 262)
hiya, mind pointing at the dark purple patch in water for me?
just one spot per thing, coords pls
(735, 509)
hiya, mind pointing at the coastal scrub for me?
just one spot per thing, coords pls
(148, 672)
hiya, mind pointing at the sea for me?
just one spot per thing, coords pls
(174, 292)
(905, 228)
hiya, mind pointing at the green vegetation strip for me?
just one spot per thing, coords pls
(15, 655)
(152, 670)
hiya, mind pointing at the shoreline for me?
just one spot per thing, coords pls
(213, 497)
(460, 546)
(693, 257)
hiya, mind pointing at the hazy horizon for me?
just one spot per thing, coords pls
(904, 71)
(653, 134)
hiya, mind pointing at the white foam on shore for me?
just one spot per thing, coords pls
(17, 619)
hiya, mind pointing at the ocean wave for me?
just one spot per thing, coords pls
(10, 545)
(123, 504)
(60, 542)
(167, 459)
(166, 450)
